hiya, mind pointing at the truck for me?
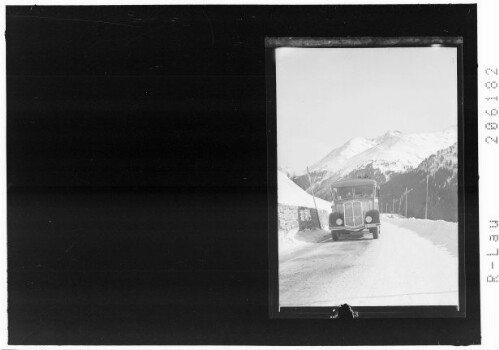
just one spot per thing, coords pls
(355, 207)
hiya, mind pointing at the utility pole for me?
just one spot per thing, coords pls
(406, 194)
(426, 206)
(313, 196)
(393, 205)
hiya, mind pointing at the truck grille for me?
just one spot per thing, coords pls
(353, 214)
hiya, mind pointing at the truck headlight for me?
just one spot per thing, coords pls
(339, 221)
(369, 219)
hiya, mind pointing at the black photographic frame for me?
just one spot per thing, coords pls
(124, 259)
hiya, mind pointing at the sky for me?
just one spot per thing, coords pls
(326, 96)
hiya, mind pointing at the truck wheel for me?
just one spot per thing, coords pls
(335, 235)
(375, 232)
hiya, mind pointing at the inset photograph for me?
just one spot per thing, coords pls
(367, 157)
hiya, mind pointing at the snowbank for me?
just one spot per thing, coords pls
(441, 233)
(392, 216)
(295, 240)
(291, 194)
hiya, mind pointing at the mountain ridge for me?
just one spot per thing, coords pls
(396, 161)
(390, 152)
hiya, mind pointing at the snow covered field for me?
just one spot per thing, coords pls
(414, 262)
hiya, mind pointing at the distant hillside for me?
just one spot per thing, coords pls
(442, 187)
(441, 168)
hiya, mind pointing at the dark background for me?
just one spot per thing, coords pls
(137, 173)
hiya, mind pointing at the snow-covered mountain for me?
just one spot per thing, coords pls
(390, 153)
(338, 157)
(441, 169)
(443, 159)
(379, 158)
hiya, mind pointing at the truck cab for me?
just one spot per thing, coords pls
(355, 207)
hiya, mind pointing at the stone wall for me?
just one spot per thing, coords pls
(301, 218)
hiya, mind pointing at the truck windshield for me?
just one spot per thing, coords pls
(364, 191)
(343, 193)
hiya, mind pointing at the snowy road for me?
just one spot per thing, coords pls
(400, 268)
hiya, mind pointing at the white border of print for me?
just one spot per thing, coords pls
(488, 56)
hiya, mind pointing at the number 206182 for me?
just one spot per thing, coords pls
(491, 85)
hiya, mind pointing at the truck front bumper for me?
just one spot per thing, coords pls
(340, 228)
